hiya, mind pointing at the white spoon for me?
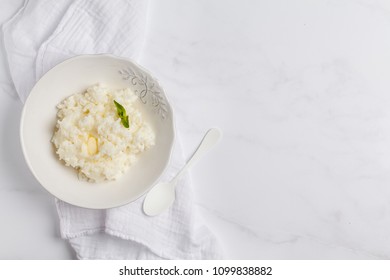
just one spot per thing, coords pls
(162, 195)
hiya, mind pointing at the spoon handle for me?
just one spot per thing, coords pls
(211, 138)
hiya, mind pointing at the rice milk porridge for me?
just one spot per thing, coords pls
(100, 133)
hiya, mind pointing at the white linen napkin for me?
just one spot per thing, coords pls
(46, 32)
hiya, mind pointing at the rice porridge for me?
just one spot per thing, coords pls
(100, 133)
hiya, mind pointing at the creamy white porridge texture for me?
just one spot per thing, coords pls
(91, 137)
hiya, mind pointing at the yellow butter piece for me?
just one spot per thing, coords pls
(92, 145)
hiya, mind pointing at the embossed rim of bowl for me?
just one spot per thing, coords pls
(85, 203)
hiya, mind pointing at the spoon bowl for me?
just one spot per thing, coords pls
(159, 198)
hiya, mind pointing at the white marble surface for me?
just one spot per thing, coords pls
(301, 90)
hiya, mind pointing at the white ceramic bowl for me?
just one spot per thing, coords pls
(38, 123)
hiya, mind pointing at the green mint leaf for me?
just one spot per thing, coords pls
(125, 122)
(122, 114)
